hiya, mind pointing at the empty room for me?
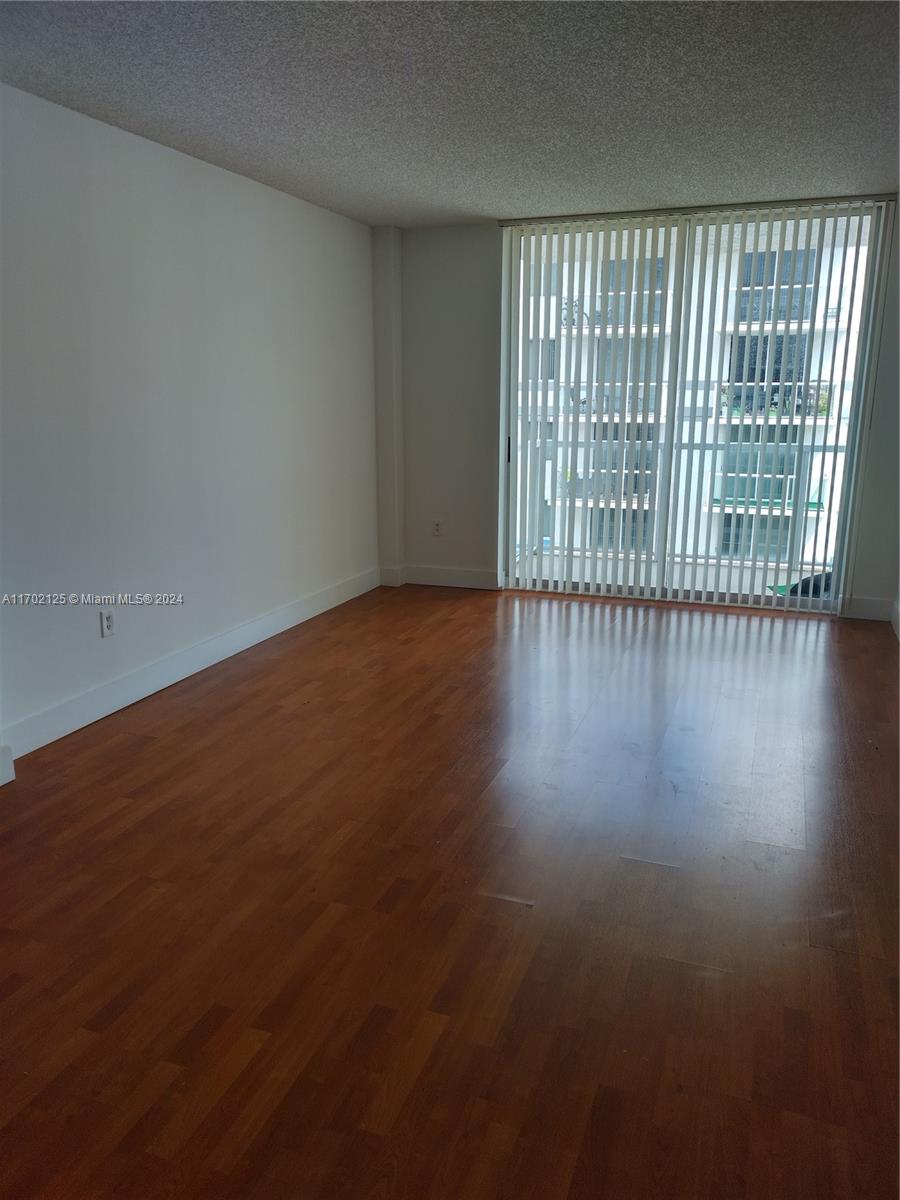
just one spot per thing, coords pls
(449, 600)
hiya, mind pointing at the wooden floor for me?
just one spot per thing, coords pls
(465, 895)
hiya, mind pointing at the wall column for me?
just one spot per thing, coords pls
(387, 306)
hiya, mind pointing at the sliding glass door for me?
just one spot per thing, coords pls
(683, 401)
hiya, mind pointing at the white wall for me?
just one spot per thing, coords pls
(187, 406)
(451, 399)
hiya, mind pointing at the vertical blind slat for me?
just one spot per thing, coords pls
(638, 426)
(598, 423)
(851, 309)
(704, 390)
(817, 563)
(808, 557)
(525, 433)
(801, 474)
(638, 559)
(512, 424)
(574, 404)
(557, 293)
(763, 522)
(690, 413)
(684, 233)
(652, 582)
(588, 450)
(610, 319)
(749, 366)
(713, 580)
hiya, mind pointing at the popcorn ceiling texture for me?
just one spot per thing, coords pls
(435, 113)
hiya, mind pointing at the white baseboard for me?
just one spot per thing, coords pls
(393, 576)
(870, 608)
(77, 711)
(462, 577)
(7, 770)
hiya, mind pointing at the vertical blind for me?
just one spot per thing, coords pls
(684, 400)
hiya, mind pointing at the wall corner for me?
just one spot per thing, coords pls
(387, 315)
(7, 767)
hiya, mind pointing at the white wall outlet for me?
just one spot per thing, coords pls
(107, 628)
(436, 529)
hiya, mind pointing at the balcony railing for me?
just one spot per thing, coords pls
(813, 399)
(800, 399)
(610, 486)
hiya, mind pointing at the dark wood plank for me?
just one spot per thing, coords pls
(451, 895)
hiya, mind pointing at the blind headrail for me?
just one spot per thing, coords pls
(698, 210)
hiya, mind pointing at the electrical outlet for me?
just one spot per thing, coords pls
(107, 628)
(436, 529)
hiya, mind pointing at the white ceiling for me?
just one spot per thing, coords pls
(431, 113)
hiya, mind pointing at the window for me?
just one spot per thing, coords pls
(753, 363)
(760, 304)
(746, 535)
(634, 526)
(620, 472)
(756, 474)
(759, 267)
(709, 394)
(633, 296)
(796, 266)
(617, 359)
(778, 287)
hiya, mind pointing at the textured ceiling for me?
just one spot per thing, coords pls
(426, 113)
